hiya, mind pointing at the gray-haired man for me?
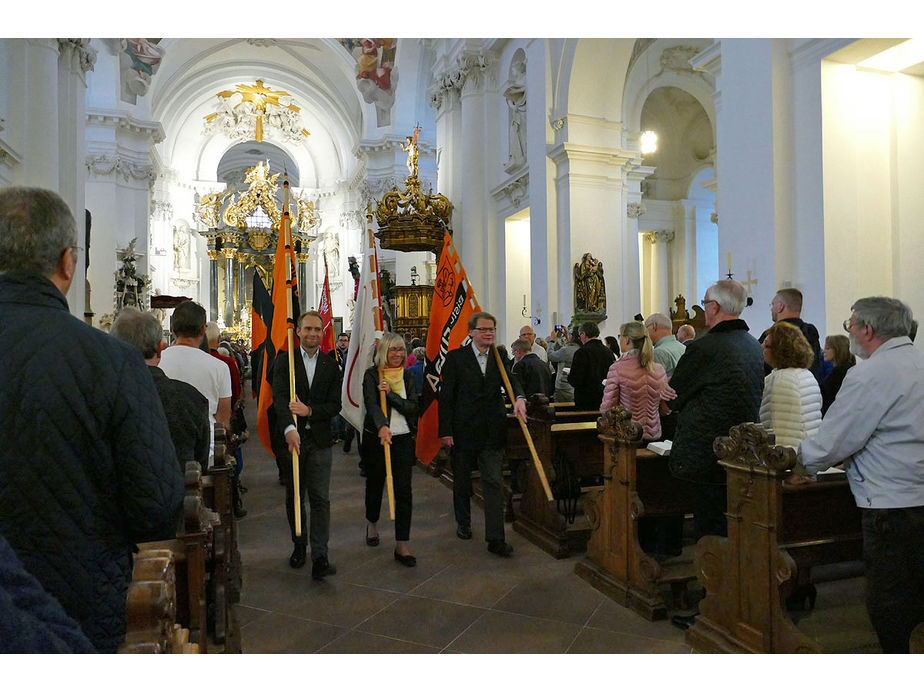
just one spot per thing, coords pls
(875, 429)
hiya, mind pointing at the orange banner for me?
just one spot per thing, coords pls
(453, 303)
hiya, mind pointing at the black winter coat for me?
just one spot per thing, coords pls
(589, 367)
(87, 467)
(719, 382)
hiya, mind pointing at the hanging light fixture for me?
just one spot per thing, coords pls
(649, 142)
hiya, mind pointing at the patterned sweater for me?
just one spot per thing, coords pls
(638, 390)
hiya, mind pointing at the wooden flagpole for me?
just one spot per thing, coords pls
(380, 327)
(540, 470)
(290, 334)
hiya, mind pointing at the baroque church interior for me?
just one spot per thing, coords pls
(779, 162)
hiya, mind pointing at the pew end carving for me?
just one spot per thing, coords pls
(776, 532)
(636, 484)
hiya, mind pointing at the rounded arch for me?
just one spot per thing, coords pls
(647, 74)
(316, 75)
(592, 77)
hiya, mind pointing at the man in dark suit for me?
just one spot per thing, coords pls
(317, 389)
(589, 367)
(473, 422)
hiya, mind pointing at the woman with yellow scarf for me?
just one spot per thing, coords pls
(397, 427)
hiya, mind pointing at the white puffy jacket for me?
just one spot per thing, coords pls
(791, 405)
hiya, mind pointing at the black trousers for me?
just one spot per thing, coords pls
(893, 551)
(710, 502)
(402, 469)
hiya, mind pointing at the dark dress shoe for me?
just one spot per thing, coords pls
(371, 541)
(464, 532)
(346, 444)
(684, 622)
(320, 568)
(408, 560)
(501, 548)
(297, 560)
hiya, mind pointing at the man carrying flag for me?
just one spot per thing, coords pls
(470, 416)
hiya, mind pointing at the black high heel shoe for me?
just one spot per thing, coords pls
(802, 598)
(408, 560)
(371, 541)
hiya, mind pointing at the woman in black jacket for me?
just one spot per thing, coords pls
(837, 351)
(397, 428)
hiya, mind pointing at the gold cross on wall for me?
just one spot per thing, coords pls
(749, 282)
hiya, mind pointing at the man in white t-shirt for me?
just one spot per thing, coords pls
(187, 362)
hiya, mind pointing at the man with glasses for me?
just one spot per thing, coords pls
(473, 422)
(529, 334)
(719, 381)
(875, 428)
(87, 467)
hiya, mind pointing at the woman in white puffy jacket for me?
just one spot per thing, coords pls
(791, 403)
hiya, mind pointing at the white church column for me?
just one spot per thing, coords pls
(75, 58)
(592, 193)
(40, 166)
(660, 270)
(474, 233)
(121, 174)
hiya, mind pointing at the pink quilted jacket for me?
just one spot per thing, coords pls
(638, 390)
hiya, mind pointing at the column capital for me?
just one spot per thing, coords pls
(82, 54)
(654, 237)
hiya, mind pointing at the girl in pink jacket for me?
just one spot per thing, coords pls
(636, 382)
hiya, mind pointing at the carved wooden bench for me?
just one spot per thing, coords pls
(150, 613)
(774, 530)
(636, 484)
(191, 550)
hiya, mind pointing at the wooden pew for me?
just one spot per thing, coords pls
(191, 549)
(571, 454)
(224, 561)
(636, 484)
(516, 452)
(151, 619)
(775, 532)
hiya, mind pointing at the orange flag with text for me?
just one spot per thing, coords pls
(453, 303)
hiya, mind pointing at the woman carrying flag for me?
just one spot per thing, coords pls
(397, 429)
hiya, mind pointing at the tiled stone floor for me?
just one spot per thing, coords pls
(459, 598)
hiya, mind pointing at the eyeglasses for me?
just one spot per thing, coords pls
(708, 300)
(396, 349)
(850, 322)
(484, 329)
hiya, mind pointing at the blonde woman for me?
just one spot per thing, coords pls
(397, 427)
(636, 382)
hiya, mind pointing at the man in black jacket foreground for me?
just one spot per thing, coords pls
(87, 468)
